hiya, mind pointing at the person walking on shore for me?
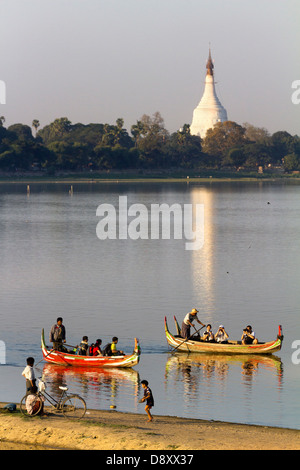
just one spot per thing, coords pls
(148, 397)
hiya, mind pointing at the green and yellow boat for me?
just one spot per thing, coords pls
(196, 345)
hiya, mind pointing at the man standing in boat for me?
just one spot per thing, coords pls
(58, 335)
(188, 322)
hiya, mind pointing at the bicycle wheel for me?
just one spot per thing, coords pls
(73, 407)
(35, 409)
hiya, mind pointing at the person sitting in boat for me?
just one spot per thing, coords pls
(208, 335)
(95, 349)
(221, 336)
(188, 322)
(248, 336)
(114, 350)
(111, 348)
(83, 349)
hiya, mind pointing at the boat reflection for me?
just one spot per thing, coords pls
(193, 368)
(93, 384)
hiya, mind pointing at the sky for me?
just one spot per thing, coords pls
(100, 60)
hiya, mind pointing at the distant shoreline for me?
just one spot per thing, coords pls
(148, 177)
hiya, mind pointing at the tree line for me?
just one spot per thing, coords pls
(62, 145)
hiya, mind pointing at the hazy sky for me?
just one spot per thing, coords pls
(98, 60)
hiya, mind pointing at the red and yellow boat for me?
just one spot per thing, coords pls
(232, 347)
(68, 359)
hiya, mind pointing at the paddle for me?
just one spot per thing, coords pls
(70, 345)
(197, 331)
(45, 356)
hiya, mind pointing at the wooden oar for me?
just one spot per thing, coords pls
(70, 346)
(197, 331)
(45, 357)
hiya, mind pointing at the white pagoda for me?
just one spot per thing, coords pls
(209, 110)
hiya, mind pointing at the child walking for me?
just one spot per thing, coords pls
(148, 397)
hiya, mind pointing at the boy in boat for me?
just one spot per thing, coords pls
(188, 322)
(83, 349)
(148, 397)
(248, 336)
(208, 335)
(111, 348)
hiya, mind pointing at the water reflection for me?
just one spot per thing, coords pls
(202, 371)
(94, 384)
(202, 260)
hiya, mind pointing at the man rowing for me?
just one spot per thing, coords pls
(188, 322)
(58, 335)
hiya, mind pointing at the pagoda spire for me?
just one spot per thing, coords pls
(209, 65)
(209, 110)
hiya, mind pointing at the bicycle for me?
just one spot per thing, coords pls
(71, 406)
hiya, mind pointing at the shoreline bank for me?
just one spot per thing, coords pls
(119, 431)
(144, 176)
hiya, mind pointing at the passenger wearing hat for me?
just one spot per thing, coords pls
(188, 322)
(221, 336)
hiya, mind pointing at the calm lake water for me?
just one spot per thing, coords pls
(247, 272)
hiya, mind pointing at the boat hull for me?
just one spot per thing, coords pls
(232, 347)
(66, 359)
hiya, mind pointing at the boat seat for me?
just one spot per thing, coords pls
(63, 388)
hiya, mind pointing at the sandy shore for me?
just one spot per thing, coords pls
(111, 430)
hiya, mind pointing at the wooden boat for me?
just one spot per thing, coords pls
(68, 359)
(232, 347)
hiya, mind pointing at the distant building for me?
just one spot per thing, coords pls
(209, 110)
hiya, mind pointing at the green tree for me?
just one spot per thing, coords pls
(223, 137)
(21, 132)
(260, 135)
(150, 136)
(291, 162)
(59, 129)
(283, 144)
(257, 154)
(235, 157)
(183, 149)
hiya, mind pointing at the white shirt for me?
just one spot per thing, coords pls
(189, 317)
(28, 373)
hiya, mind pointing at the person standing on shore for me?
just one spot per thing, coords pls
(29, 375)
(148, 397)
(58, 335)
